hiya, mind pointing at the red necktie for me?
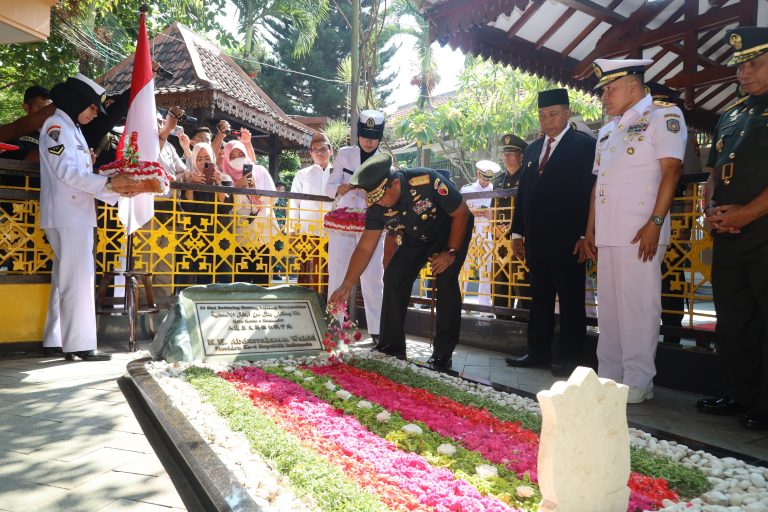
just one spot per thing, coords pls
(546, 154)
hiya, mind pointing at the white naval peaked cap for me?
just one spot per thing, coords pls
(370, 124)
(608, 70)
(371, 116)
(487, 168)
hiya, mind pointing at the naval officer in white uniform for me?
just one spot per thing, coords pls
(370, 131)
(481, 209)
(68, 216)
(637, 163)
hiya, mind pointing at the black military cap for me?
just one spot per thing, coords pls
(662, 92)
(553, 97)
(747, 42)
(511, 143)
(373, 176)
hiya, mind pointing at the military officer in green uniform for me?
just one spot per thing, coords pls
(505, 265)
(432, 223)
(737, 212)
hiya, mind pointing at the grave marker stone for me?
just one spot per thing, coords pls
(583, 463)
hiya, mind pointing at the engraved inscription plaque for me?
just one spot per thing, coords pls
(257, 326)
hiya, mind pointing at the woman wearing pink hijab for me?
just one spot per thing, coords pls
(254, 223)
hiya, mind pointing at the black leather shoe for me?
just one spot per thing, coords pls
(374, 340)
(525, 361)
(722, 406)
(52, 351)
(391, 350)
(88, 355)
(755, 421)
(562, 369)
(440, 362)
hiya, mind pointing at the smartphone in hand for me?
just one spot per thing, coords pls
(247, 170)
(208, 170)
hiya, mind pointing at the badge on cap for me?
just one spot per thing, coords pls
(598, 71)
(735, 41)
(507, 139)
(370, 123)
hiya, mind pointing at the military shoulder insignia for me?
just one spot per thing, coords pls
(673, 125)
(660, 103)
(419, 180)
(442, 189)
(56, 150)
(604, 138)
(391, 213)
(672, 115)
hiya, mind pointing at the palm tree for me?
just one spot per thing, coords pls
(258, 18)
(427, 78)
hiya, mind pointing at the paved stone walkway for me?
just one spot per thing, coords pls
(69, 442)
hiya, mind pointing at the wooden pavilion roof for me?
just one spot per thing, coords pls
(559, 40)
(204, 77)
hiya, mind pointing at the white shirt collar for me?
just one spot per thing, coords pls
(639, 107)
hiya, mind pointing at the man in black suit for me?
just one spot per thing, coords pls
(547, 228)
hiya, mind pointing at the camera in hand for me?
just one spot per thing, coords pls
(184, 118)
(208, 170)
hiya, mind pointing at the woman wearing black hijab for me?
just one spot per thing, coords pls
(67, 214)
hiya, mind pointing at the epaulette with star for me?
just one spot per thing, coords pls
(664, 104)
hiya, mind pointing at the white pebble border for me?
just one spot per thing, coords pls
(736, 486)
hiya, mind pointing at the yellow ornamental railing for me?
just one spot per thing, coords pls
(203, 234)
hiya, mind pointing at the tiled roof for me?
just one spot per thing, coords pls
(198, 65)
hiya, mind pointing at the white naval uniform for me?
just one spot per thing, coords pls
(628, 289)
(68, 216)
(304, 215)
(342, 245)
(484, 237)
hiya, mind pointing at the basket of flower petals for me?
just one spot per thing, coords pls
(148, 176)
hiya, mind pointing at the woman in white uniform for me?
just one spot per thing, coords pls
(68, 187)
(370, 131)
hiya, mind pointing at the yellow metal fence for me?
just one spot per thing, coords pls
(208, 239)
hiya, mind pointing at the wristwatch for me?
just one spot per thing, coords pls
(657, 220)
(452, 251)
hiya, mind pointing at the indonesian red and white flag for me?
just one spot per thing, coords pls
(136, 211)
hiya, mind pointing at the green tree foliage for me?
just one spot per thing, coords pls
(328, 59)
(92, 36)
(302, 94)
(490, 100)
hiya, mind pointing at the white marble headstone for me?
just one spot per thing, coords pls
(584, 449)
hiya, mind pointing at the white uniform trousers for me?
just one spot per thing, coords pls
(340, 249)
(629, 314)
(71, 319)
(483, 244)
